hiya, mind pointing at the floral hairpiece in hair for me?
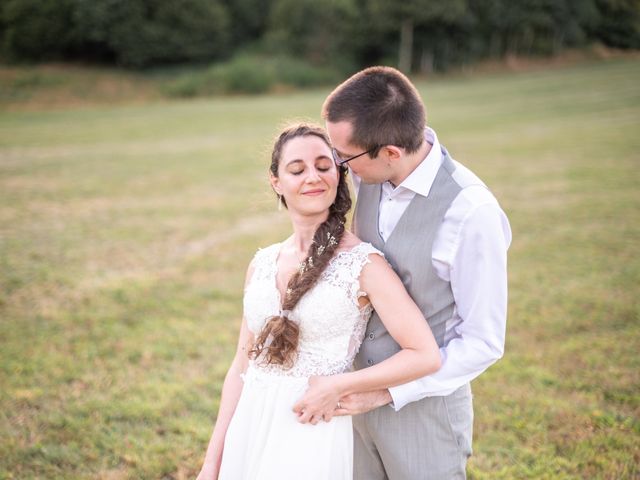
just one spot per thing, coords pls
(331, 240)
(307, 263)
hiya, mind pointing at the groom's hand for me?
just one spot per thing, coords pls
(363, 402)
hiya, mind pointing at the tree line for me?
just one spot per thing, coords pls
(417, 35)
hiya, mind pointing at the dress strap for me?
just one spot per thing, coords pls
(264, 262)
(345, 268)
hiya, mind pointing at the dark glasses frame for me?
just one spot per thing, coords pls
(339, 161)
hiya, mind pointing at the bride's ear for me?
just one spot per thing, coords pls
(275, 183)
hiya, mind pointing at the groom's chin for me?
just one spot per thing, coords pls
(370, 181)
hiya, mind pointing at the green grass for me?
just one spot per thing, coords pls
(125, 232)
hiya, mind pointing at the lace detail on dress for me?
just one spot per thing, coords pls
(264, 263)
(332, 323)
(344, 269)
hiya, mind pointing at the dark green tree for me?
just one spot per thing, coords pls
(316, 31)
(140, 33)
(37, 29)
(421, 29)
(619, 23)
(249, 20)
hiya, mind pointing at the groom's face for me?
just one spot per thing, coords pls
(370, 170)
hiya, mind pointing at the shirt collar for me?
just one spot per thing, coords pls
(421, 179)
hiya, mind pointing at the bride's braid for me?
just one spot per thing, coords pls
(277, 343)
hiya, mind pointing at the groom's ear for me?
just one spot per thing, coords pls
(392, 153)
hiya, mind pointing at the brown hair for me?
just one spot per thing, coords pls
(383, 107)
(277, 343)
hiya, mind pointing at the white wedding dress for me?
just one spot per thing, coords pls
(264, 440)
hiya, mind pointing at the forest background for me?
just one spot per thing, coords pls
(218, 46)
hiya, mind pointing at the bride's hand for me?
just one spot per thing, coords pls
(320, 400)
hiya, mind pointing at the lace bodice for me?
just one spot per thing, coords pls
(332, 323)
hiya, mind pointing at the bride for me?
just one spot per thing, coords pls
(306, 304)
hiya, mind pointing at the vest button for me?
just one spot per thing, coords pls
(371, 336)
(370, 362)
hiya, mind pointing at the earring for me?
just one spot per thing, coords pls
(279, 202)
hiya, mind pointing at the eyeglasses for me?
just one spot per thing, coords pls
(342, 161)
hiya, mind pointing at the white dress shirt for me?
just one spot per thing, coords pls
(470, 251)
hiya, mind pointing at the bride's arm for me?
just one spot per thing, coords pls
(404, 322)
(231, 390)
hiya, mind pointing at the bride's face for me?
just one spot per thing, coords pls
(307, 176)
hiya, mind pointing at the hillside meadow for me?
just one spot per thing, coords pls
(125, 232)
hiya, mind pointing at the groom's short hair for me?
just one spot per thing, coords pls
(383, 107)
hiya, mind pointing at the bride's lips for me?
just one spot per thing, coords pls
(313, 193)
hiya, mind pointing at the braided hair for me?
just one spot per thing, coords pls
(277, 343)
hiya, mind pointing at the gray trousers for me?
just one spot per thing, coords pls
(427, 439)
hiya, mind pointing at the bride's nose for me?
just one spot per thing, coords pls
(312, 176)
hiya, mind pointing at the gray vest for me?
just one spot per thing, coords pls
(408, 250)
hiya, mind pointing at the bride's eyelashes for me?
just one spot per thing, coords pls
(320, 169)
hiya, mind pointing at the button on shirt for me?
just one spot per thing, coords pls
(470, 251)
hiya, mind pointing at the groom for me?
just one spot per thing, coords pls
(446, 236)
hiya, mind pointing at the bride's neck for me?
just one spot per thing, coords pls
(304, 227)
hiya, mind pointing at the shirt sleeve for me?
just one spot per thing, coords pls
(477, 270)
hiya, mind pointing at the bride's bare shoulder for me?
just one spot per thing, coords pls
(348, 241)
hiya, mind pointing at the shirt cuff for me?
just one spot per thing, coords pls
(401, 395)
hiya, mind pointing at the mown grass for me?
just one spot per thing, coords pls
(125, 232)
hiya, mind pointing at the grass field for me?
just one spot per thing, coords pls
(125, 232)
